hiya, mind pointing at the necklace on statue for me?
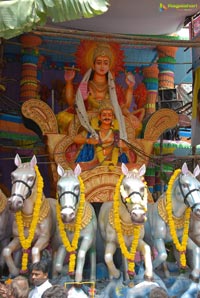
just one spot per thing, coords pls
(106, 136)
(100, 87)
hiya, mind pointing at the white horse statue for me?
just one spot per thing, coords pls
(121, 223)
(168, 219)
(77, 225)
(34, 221)
(6, 221)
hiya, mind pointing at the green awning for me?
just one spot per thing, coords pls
(19, 16)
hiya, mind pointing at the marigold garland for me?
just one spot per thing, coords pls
(181, 247)
(72, 247)
(129, 255)
(26, 242)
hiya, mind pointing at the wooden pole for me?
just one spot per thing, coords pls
(120, 38)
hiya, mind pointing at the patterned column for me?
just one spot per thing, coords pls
(166, 66)
(29, 86)
(150, 74)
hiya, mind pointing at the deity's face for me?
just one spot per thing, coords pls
(101, 65)
(106, 116)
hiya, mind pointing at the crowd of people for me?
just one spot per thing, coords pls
(37, 286)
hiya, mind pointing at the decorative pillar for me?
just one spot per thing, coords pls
(166, 66)
(150, 74)
(29, 86)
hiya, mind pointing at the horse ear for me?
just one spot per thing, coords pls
(124, 169)
(60, 170)
(33, 161)
(142, 170)
(196, 171)
(18, 161)
(77, 170)
(185, 168)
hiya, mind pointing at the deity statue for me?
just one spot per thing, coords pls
(97, 85)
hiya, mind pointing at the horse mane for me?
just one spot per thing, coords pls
(68, 173)
(24, 165)
(133, 174)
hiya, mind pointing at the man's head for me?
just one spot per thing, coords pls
(158, 293)
(106, 112)
(39, 273)
(56, 291)
(19, 287)
(106, 116)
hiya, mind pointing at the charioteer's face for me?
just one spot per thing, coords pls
(102, 65)
(106, 116)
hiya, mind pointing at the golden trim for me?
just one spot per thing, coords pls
(179, 221)
(86, 218)
(3, 203)
(44, 211)
(127, 228)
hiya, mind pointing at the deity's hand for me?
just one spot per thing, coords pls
(130, 79)
(123, 145)
(69, 75)
(92, 141)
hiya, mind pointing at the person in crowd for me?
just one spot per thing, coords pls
(20, 287)
(17, 288)
(39, 279)
(158, 292)
(56, 291)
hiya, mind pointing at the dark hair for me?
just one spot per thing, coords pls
(56, 291)
(158, 293)
(40, 266)
(20, 287)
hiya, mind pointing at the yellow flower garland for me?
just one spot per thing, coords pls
(26, 242)
(72, 247)
(129, 255)
(181, 247)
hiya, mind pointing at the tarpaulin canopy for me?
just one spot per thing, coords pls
(19, 16)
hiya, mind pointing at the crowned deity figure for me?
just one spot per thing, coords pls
(97, 85)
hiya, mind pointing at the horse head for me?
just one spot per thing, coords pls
(133, 192)
(23, 182)
(188, 189)
(68, 190)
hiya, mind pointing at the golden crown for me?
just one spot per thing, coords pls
(102, 50)
(106, 105)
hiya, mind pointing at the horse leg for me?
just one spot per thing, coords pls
(59, 258)
(161, 256)
(7, 254)
(86, 244)
(93, 263)
(125, 270)
(108, 256)
(40, 244)
(145, 249)
(195, 259)
(4, 243)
